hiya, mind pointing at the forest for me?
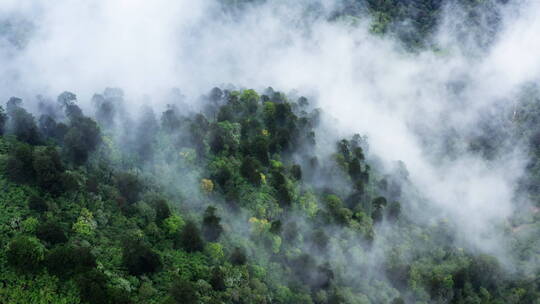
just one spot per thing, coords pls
(221, 206)
(254, 194)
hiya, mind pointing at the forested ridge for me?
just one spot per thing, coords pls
(259, 195)
(225, 205)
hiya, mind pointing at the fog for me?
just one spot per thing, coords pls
(404, 101)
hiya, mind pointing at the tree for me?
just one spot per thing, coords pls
(67, 100)
(225, 137)
(22, 123)
(81, 139)
(48, 169)
(173, 224)
(93, 287)
(344, 149)
(355, 170)
(485, 271)
(25, 253)
(259, 148)
(67, 260)
(162, 209)
(51, 233)
(184, 292)
(129, 186)
(49, 128)
(37, 203)
(207, 186)
(238, 256)
(280, 184)
(190, 238)
(145, 140)
(276, 227)
(211, 225)
(105, 110)
(19, 166)
(3, 120)
(378, 205)
(296, 172)
(250, 170)
(249, 100)
(170, 121)
(139, 259)
(217, 279)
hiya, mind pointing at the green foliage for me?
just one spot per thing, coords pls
(225, 137)
(41, 289)
(51, 233)
(215, 252)
(163, 212)
(190, 238)
(37, 203)
(85, 224)
(129, 185)
(128, 223)
(217, 279)
(82, 138)
(93, 287)
(139, 259)
(238, 256)
(22, 123)
(48, 169)
(19, 166)
(67, 260)
(173, 224)
(30, 225)
(184, 292)
(211, 225)
(25, 253)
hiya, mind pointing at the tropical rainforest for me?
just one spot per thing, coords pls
(236, 187)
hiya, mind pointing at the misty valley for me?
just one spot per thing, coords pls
(258, 151)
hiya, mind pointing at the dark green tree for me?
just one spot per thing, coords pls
(217, 279)
(296, 172)
(51, 233)
(129, 186)
(66, 261)
(48, 169)
(238, 256)
(211, 227)
(162, 209)
(184, 292)
(378, 205)
(37, 203)
(190, 238)
(139, 259)
(21, 123)
(19, 166)
(170, 121)
(93, 287)
(81, 139)
(250, 170)
(25, 253)
(3, 121)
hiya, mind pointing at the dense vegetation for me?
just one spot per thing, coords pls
(231, 203)
(413, 22)
(244, 196)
